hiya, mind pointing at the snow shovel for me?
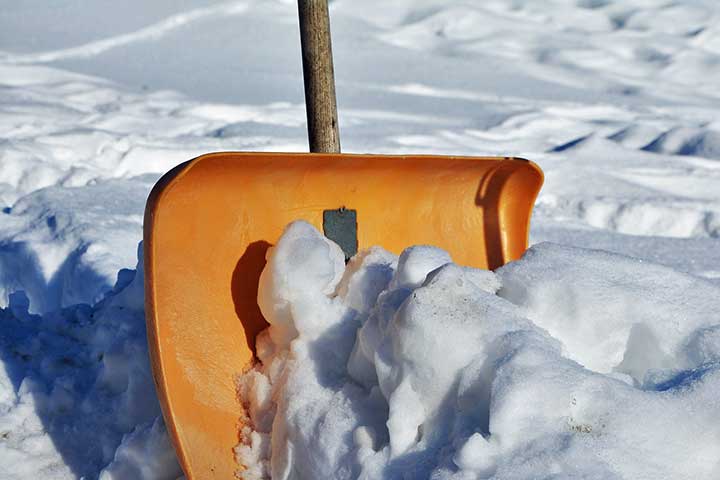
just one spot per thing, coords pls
(210, 221)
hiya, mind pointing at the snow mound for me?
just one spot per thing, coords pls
(613, 313)
(77, 398)
(688, 141)
(567, 362)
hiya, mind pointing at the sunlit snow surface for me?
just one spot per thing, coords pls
(569, 362)
(617, 102)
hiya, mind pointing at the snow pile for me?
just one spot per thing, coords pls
(569, 361)
(76, 391)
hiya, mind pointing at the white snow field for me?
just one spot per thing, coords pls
(598, 364)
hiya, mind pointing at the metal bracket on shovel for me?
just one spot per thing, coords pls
(340, 226)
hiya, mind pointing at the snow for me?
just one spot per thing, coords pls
(77, 391)
(570, 360)
(612, 313)
(616, 101)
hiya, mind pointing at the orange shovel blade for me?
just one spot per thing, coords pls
(210, 221)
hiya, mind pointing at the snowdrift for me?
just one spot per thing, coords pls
(568, 361)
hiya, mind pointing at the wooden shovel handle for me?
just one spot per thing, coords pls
(320, 103)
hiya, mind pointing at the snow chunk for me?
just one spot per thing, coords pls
(302, 269)
(415, 263)
(611, 312)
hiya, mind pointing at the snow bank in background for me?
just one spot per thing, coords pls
(569, 361)
(62, 245)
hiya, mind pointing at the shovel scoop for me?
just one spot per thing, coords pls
(208, 226)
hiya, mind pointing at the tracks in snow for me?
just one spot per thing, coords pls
(150, 32)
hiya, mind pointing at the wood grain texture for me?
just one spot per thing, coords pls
(318, 74)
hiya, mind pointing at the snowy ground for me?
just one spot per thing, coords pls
(617, 102)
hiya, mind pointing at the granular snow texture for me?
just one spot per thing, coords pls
(568, 362)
